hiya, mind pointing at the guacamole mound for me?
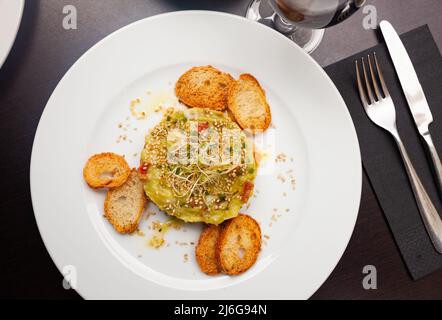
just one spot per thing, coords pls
(199, 166)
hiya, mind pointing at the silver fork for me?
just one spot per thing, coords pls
(380, 109)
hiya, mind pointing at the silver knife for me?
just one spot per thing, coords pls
(413, 92)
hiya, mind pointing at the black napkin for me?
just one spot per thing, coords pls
(380, 156)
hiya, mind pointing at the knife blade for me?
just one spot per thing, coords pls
(413, 91)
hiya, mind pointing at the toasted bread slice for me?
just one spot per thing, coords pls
(248, 103)
(238, 245)
(106, 170)
(205, 250)
(124, 205)
(204, 87)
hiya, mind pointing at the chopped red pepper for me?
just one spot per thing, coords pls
(202, 126)
(247, 191)
(144, 167)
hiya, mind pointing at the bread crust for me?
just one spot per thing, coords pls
(204, 87)
(205, 250)
(246, 235)
(106, 170)
(112, 195)
(245, 118)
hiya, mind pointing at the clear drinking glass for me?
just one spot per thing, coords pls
(303, 21)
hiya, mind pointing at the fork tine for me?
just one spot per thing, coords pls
(360, 86)
(381, 77)
(373, 79)
(367, 83)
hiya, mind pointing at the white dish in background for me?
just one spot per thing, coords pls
(11, 12)
(312, 125)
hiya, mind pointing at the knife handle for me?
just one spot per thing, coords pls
(429, 214)
(434, 157)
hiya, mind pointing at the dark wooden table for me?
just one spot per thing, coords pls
(44, 51)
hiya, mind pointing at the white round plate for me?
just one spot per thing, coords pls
(11, 12)
(306, 228)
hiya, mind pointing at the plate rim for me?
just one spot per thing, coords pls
(358, 178)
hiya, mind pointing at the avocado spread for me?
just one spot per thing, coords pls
(198, 166)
